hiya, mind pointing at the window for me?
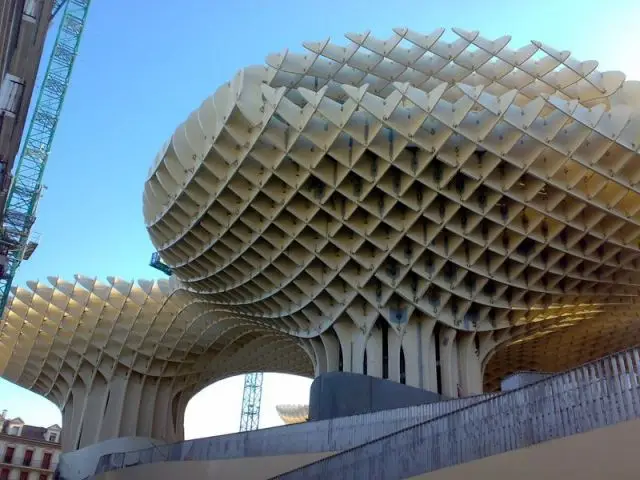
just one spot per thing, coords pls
(4, 474)
(43, 476)
(53, 437)
(31, 9)
(14, 430)
(46, 460)
(28, 455)
(24, 475)
(8, 454)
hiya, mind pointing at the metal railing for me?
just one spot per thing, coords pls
(414, 440)
(598, 394)
(320, 436)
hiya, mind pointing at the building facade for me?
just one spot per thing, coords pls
(28, 452)
(431, 211)
(23, 28)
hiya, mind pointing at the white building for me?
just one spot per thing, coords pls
(27, 452)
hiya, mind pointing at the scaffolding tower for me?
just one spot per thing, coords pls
(26, 188)
(251, 400)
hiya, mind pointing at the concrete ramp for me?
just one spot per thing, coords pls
(599, 394)
(310, 437)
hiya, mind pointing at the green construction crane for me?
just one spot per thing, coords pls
(157, 263)
(251, 402)
(22, 203)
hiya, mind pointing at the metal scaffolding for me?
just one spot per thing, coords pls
(22, 203)
(251, 399)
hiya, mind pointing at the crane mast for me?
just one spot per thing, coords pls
(26, 188)
(251, 400)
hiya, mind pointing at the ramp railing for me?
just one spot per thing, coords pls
(597, 394)
(309, 437)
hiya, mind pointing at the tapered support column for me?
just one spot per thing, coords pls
(469, 364)
(428, 361)
(332, 350)
(374, 354)
(395, 344)
(436, 357)
(128, 405)
(353, 342)
(418, 345)
(448, 362)
(320, 356)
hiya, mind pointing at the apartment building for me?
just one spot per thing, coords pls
(23, 29)
(28, 452)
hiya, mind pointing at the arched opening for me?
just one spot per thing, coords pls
(216, 409)
(530, 353)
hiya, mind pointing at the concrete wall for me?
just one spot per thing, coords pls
(599, 394)
(603, 453)
(609, 452)
(309, 437)
(82, 463)
(340, 394)
(260, 468)
(521, 379)
(604, 393)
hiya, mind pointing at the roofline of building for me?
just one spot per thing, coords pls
(18, 438)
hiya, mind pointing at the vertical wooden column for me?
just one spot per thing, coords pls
(374, 353)
(395, 343)
(469, 365)
(419, 349)
(352, 342)
(448, 362)
(332, 351)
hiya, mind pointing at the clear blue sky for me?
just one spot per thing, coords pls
(145, 65)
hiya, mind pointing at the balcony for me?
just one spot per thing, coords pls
(29, 463)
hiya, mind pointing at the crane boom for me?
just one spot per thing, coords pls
(22, 203)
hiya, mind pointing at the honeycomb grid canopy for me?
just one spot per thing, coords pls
(290, 414)
(436, 213)
(103, 351)
(465, 193)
